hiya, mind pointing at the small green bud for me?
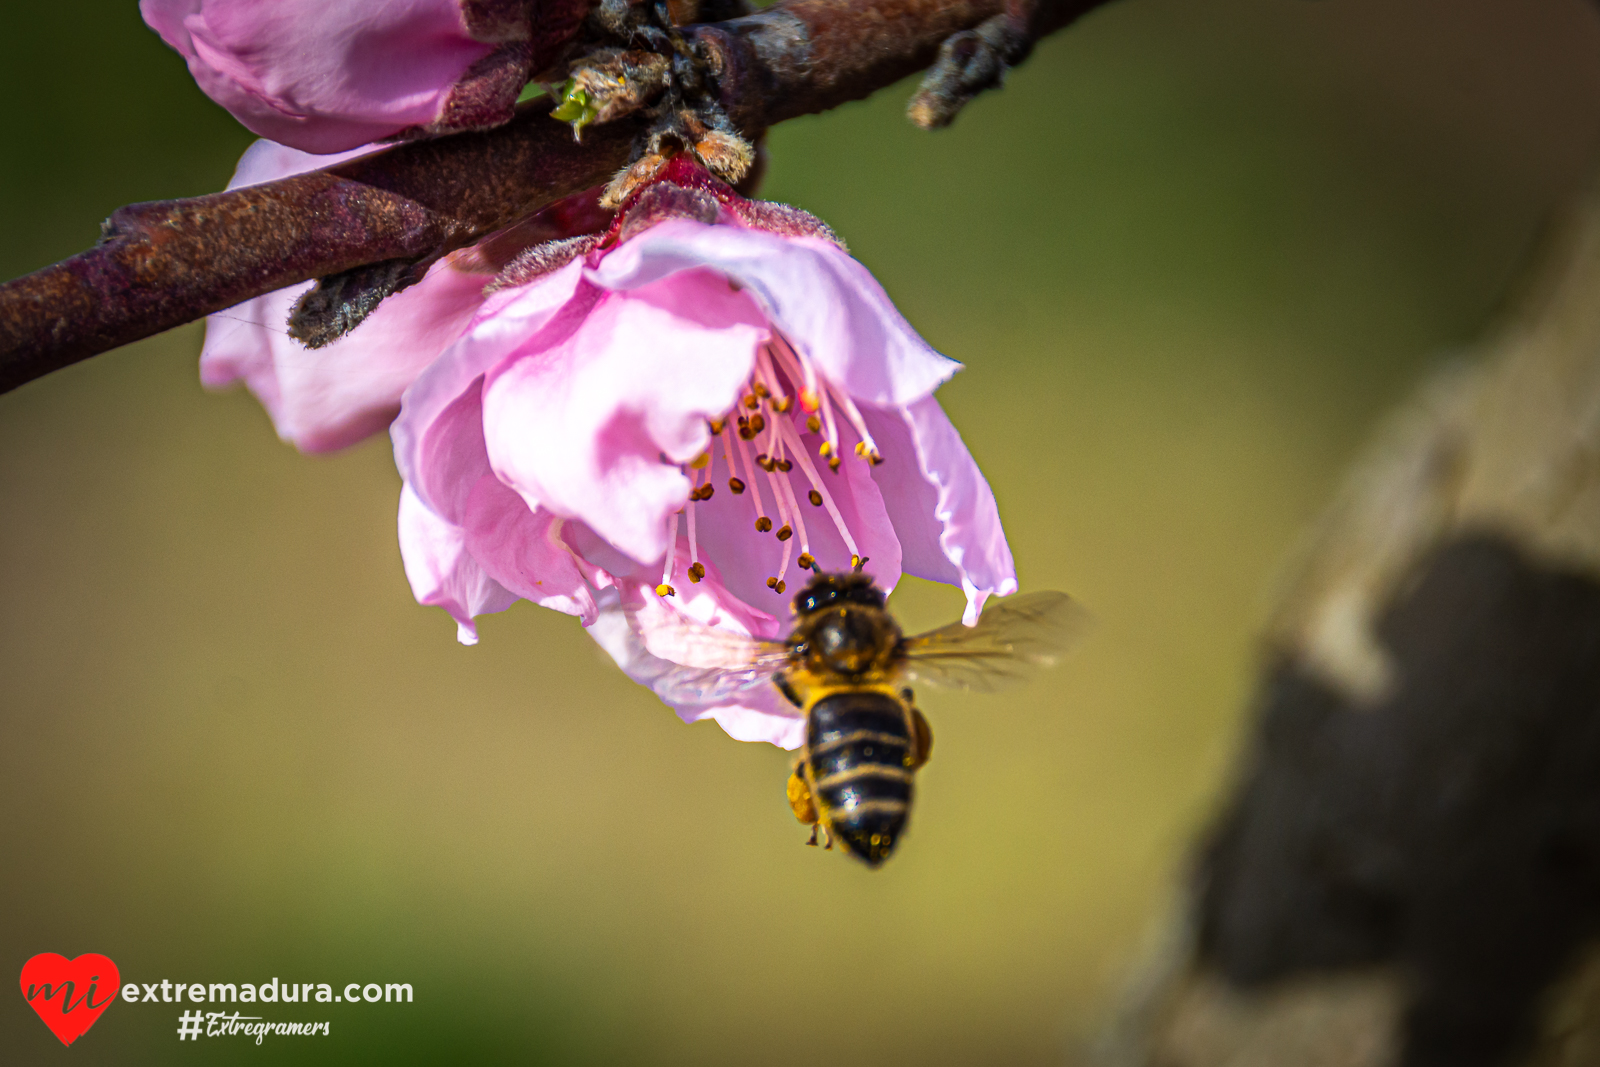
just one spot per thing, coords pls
(574, 107)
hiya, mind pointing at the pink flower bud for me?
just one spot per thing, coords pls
(329, 75)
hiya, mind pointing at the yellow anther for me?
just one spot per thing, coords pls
(665, 590)
(736, 485)
(814, 424)
(826, 449)
(807, 561)
(700, 461)
(750, 401)
(772, 583)
(763, 524)
(861, 448)
(765, 462)
(783, 404)
(855, 561)
(779, 587)
(809, 400)
(815, 498)
(833, 464)
(785, 533)
(784, 465)
(697, 571)
(761, 390)
(758, 422)
(716, 426)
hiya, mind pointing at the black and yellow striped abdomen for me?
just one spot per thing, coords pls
(859, 757)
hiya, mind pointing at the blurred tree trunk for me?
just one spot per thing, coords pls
(1407, 871)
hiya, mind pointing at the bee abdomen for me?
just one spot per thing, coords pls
(859, 746)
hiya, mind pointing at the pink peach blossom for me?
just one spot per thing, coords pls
(330, 75)
(680, 421)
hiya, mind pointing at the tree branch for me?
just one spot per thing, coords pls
(165, 263)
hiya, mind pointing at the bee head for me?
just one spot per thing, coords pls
(827, 590)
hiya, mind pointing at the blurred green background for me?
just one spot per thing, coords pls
(1190, 255)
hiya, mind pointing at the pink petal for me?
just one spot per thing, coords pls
(506, 320)
(759, 715)
(943, 509)
(825, 302)
(523, 550)
(520, 549)
(267, 161)
(592, 425)
(323, 75)
(328, 398)
(441, 570)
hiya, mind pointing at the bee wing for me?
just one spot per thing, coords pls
(703, 664)
(708, 685)
(1013, 639)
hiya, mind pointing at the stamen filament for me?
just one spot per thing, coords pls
(727, 457)
(694, 549)
(807, 376)
(799, 519)
(780, 485)
(833, 433)
(754, 484)
(858, 423)
(827, 499)
(765, 367)
(665, 588)
(783, 509)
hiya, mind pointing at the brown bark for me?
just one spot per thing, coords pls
(165, 263)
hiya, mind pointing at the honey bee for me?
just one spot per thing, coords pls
(847, 665)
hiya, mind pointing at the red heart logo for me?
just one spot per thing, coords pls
(67, 994)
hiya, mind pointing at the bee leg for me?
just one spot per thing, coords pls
(787, 690)
(801, 801)
(827, 839)
(813, 840)
(923, 736)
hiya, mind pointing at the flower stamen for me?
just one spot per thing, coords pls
(779, 401)
(866, 448)
(818, 490)
(665, 588)
(696, 571)
(763, 524)
(804, 374)
(798, 519)
(735, 483)
(764, 437)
